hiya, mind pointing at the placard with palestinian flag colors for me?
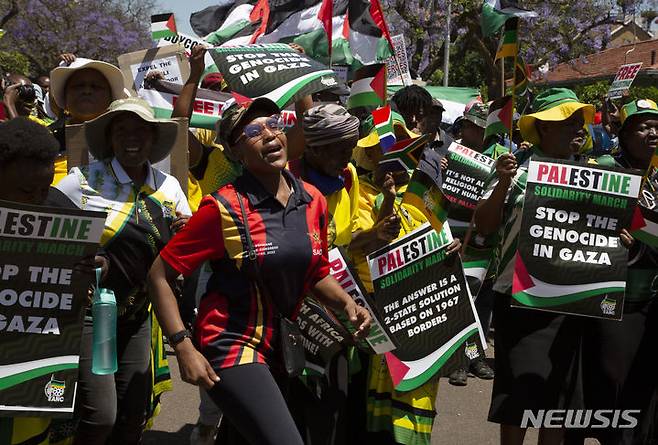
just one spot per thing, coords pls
(466, 175)
(207, 106)
(422, 295)
(42, 303)
(570, 258)
(273, 70)
(377, 341)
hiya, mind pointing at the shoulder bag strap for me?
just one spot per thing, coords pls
(253, 267)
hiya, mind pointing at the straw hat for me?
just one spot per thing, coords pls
(99, 143)
(60, 76)
(554, 104)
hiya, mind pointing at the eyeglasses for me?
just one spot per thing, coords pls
(273, 123)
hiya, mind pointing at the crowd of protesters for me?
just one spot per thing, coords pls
(264, 204)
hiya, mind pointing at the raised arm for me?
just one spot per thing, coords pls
(489, 212)
(185, 103)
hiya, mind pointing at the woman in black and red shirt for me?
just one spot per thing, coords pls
(235, 328)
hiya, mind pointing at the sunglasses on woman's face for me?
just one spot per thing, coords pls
(273, 123)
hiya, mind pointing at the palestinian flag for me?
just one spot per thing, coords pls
(509, 45)
(358, 32)
(425, 194)
(383, 120)
(405, 154)
(500, 117)
(163, 25)
(645, 220)
(496, 12)
(522, 79)
(454, 99)
(369, 87)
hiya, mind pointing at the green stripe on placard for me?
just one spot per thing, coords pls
(408, 385)
(532, 301)
(197, 120)
(157, 35)
(294, 88)
(21, 377)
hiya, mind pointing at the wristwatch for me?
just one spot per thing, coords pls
(178, 337)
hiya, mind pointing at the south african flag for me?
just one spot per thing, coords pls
(425, 194)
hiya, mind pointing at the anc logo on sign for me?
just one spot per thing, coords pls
(471, 351)
(54, 390)
(608, 306)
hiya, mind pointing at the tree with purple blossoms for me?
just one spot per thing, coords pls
(97, 29)
(565, 30)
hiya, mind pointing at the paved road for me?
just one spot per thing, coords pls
(461, 419)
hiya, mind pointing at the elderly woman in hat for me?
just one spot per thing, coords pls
(282, 222)
(144, 206)
(537, 352)
(83, 89)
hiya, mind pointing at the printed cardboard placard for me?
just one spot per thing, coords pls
(624, 79)
(378, 341)
(570, 258)
(322, 335)
(168, 60)
(398, 74)
(42, 305)
(422, 295)
(466, 175)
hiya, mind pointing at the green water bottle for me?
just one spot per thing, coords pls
(104, 314)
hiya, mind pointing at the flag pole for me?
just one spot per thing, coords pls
(511, 118)
(502, 76)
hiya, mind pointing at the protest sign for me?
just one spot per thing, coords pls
(42, 302)
(341, 72)
(322, 335)
(570, 258)
(646, 219)
(422, 295)
(398, 71)
(466, 175)
(176, 164)
(189, 42)
(377, 342)
(207, 107)
(273, 70)
(170, 61)
(623, 80)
